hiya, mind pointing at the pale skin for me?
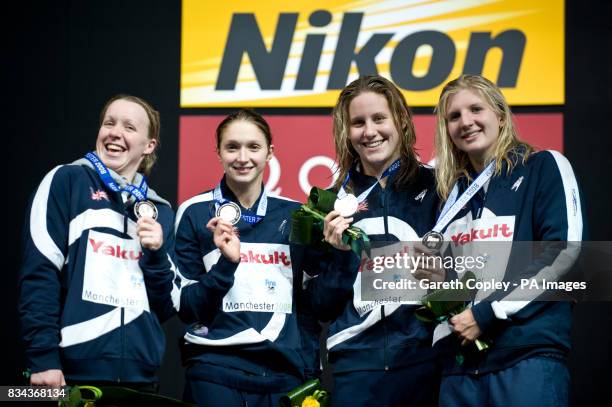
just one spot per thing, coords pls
(150, 233)
(51, 377)
(463, 324)
(225, 238)
(375, 138)
(333, 227)
(122, 143)
(151, 236)
(243, 152)
(473, 127)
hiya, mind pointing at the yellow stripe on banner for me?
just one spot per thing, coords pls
(300, 54)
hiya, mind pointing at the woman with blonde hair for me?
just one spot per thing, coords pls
(513, 194)
(379, 351)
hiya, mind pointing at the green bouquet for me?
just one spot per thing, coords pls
(307, 395)
(92, 396)
(307, 223)
(441, 305)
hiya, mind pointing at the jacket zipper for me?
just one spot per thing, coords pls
(382, 308)
(122, 355)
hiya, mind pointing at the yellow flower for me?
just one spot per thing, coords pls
(310, 402)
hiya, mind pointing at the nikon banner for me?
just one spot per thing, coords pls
(300, 53)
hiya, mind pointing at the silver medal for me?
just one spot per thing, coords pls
(145, 209)
(347, 205)
(433, 240)
(229, 212)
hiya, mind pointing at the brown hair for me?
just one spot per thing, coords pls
(248, 115)
(346, 156)
(154, 128)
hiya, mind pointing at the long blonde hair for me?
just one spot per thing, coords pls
(452, 163)
(346, 156)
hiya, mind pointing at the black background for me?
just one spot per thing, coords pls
(63, 59)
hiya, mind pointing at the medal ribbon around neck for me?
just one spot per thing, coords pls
(250, 219)
(362, 197)
(453, 205)
(138, 192)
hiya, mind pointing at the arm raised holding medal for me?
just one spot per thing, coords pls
(383, 192)
(240, 281)
(225, 238)
(90, 266)
(428, 269)
(150, 233)
(333, 228)
(201, 302)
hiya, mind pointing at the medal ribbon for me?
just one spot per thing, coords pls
(362, 197)
(248, 218)
(138, 192)
(454, 205)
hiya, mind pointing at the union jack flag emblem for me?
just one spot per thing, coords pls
(98, 195)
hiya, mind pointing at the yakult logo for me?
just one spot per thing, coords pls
(494, 231)
(277, 257)
(101, 247)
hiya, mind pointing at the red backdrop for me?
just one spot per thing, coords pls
(304, 149)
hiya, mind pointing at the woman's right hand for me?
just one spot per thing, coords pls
(225, 238)
(430, 267)
(51, 377)
(333, 227)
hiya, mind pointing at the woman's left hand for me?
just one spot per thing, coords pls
(465, 326)
(150, 233)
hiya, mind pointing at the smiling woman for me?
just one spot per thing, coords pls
(472, 125)
(244, 147)
(499, 182)
(244, 344)
(129, 136)
(74, 304)
(380, 352)
(372, 133)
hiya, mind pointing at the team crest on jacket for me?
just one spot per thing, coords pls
(98, 195)
(420, 196)
(282, 226)
(517, 184)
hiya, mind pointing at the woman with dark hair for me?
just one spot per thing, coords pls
(240, 289)
(379, 351)
(525, 196)
(96, 242)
